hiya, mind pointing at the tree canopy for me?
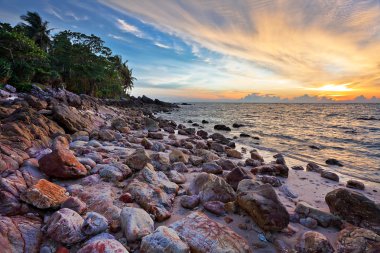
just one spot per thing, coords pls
(80, 62)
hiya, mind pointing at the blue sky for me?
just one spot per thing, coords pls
(230, 50)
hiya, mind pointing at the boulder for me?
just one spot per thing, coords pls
(64, 226)
(154, 192)
(236, 175)
(272, 170)
(330, 175)
(163, 240)
(217, 147)
(210, 187)
(178, 156)
(36, 103)
(180, 167)
(226, 164)
(256, 156)
(106, 135)
(61, 163)
(212, 168)
(355, 208)
(138, 159)
(75, 204)
(215, 207)
(222, 128)
(176, 177)
(234, 153)
(135, 223)
(357, 240)
(202, 133)
(204, 235)
(313, 167)
(333, 161)
(94, 223)
(190, 202)
(219, 138)
(354, 184)
(313, 242)
(20, 234)
(151, 125)
(324, 219)
(12, 184)
(70, 118)
(102, 243)
(262, 204)
(45, 195)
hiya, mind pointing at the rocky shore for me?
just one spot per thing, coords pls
(79, 174)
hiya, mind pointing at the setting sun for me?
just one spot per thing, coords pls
(334, 87)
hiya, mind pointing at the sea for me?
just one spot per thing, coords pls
(349, 133)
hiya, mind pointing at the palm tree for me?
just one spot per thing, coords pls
(36, 29)
(125, 73)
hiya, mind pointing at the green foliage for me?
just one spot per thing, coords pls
(5, 70)
(80, 62)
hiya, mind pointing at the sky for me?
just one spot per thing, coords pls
(241, 50)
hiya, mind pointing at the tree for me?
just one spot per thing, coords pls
(36, 29)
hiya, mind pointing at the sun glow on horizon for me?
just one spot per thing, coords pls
(334, 88)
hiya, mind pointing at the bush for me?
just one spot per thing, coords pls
(5, 70)
(23, 87)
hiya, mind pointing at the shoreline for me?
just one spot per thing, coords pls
(113, 173)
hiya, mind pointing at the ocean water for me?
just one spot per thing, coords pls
(347, 132)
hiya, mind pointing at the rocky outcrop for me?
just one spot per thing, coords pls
(205, 235)
(163, 240)
(20, 234)
(355, 208)
(262, 204)
(12, 185)
(61, 163)
(71, 119)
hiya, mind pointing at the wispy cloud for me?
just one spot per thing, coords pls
(76, 17)
(125, 27)
(159, 44)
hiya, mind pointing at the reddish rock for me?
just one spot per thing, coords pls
(63, 164)
(75, 204)
(126, 198)
(103, 243)
(163, 240)
(215, 207)
(204, 235)
(20, 234)
(44, 195)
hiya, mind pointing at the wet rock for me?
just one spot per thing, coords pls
(205, 121)
(212, 168)
(102, 243)
(272, 170)
(237, 125)
(330, 175)
(219, 138)
(335, 162)
(176, 177)
(297, 167)
(61, 163)
(262, 204)
(205, 235)
(135, 223)
(236, 175)
(355, 184)
(44, 195)
(163, 240)
(311, 166)
(272, 180)
(138, 159)
(94, 223)
(309, 222)
(256, 156)
(357, 240)
(324, 219)
(280, 159)
(215, 207)
(190, 202)
(226, 164)
(20, 234)
(202, 133)
(244, 135)
(75, 204)
(355, 208)
(312, 242)
(252, 162)
(178, 156)
(210, 187)
(64, 226)
(222, 128)
(217, 147)
(154, 192)
(234, 153)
